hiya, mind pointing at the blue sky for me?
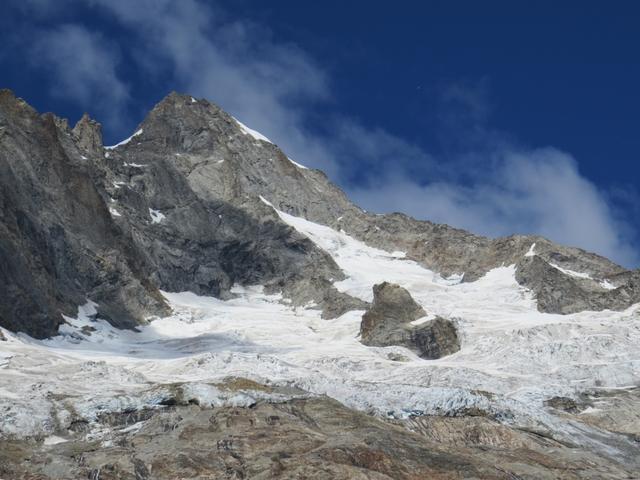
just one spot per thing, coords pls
(498, 117)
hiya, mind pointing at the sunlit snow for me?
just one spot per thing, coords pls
(607, 285)
(156, 215)
(125, 141)
(571, 273)
(251, 132)
(532, 251)
(297, 164)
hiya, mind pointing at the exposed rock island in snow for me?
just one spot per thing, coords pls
(189, 303)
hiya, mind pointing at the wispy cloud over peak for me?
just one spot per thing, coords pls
(82, 66)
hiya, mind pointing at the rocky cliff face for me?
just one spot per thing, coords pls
(185, 204)
(59, 244)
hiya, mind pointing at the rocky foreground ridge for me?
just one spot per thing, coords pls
(194, 201)
(304, 437)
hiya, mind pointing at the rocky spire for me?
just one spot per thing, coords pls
(88, 135)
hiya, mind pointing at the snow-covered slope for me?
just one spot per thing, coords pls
(512, 358)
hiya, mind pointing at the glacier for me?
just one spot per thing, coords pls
(512, 358)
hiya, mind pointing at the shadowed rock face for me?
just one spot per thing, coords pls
(58, 242)
(388, 322)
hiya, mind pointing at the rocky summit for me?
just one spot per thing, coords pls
(192, 303)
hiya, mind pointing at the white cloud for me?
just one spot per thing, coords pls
(83, 66)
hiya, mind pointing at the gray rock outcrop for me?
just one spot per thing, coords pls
(388, 322)
(392, 306)
(559, 292)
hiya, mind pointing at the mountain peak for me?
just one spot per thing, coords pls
(11, 104)
(175, 100)
(6, 93)
(88, 133)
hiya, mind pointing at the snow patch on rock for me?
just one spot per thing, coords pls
(297, 164)
(124, 142)
(532, 251)
(248, 131)
(571, 273)
(156, 215)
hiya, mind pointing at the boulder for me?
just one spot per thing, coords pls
(392, 307)
(388, 322)
(435, 338)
